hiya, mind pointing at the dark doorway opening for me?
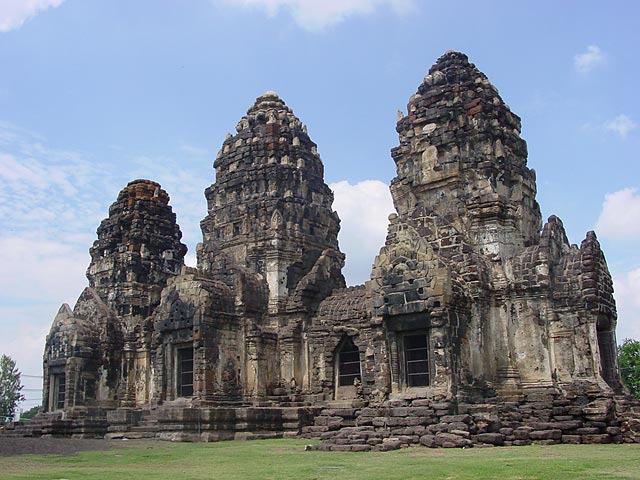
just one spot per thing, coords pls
(59, 385)
(348, 364)
(185, 372)
(416, 360)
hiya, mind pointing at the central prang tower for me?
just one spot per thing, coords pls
(269, 210)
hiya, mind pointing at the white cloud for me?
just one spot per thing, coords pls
(316, 15)
(13, 13)
(364, 209)
(621, 125)
(24, 340)
(627, 293)
(51, 202)
(38, 275)
(587, 61)
(194, 151)
(620, 215)
(36, 268)
(191, 260)
(58, 192)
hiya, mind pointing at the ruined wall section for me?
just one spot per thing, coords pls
(197, 313)
(416, 290)
(573, 293)
(71, 352)
(347, 315)
(269, 210)
(111, 330)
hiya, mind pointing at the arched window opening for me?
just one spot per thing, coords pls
(348, 364)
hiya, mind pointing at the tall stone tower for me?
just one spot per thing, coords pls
(269, 210)
(461, 156)
(467, 259)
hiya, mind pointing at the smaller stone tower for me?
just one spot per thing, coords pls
(99, 354)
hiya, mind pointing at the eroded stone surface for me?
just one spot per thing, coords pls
(478, 326)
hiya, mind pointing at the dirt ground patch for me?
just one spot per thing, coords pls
(10, 446)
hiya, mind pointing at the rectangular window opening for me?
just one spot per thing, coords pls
(60, 387)
(416, 360)
(185, 372)
(348, 364)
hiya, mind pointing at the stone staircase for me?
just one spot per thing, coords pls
(132, 424)
(333, 416)
(76, 423)
(185, 423)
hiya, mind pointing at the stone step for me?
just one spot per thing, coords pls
(148, 424)
(150, 428)
(129, 435)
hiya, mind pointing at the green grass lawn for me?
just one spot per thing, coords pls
(286, 459)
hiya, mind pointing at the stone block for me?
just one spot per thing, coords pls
(587, 431)
(457, 426)
(341, 448)
(545, 435)
(428, 441)
(596, 411)
(520, 443)
(387, 446)
(449, 440)
(614, 431)
(491, 438)
(572, 439)
(360, 448)
(455, 419)
(603, 438)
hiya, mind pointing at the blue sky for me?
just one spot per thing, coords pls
(95, 93)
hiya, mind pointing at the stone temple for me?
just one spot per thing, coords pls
(479, 324)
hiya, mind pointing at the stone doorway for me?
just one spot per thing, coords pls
(415, 354)
(58, 392)
(184, 375)
(348, 372)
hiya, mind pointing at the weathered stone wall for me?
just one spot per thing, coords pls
(197, 312)
(478, 325)
(543, 416)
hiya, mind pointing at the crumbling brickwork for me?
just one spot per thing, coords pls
(478, 325)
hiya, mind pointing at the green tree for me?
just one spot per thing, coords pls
(32, 412)
(629, 362)
(10, 386)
